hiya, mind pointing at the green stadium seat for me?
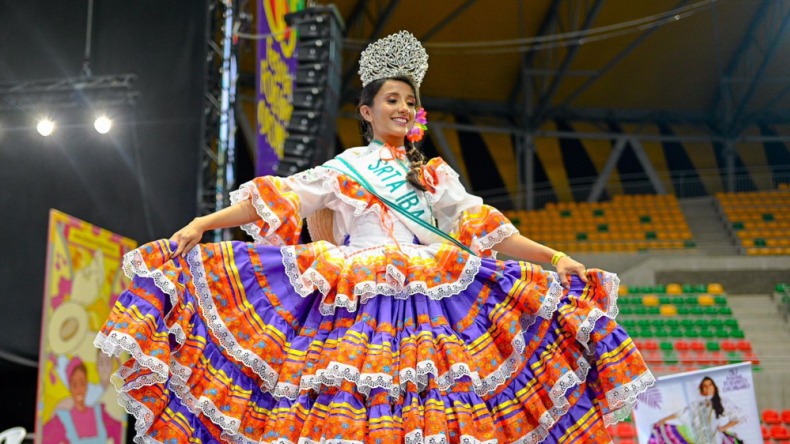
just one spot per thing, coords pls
(716, 323)
(737, 333)
(664, 300)
(640, 310)
(725, 311)
(731, 323)
(672, 323)
(626, 311)
(711, 311)
(721, 300)
(666, 346)
(654, 311)
(683, 311)
(713, 346)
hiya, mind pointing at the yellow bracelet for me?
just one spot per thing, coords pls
(556, 258)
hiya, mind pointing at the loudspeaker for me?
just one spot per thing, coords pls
(316, 98)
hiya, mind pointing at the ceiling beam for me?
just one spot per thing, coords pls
(723, 100)
(447, 20)
(767, 58)
(548, 95)
(614, 61)
(529, 56)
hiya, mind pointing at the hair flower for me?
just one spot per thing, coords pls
(420, 126)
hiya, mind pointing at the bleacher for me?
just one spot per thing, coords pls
(627, 223)
(759, 221)
(683, 327)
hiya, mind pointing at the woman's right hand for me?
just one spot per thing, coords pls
(188, 237)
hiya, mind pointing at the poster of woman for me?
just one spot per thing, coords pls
(711, 406)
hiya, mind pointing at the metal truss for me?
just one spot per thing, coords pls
(111, 91)
(746, 70)
(217, 151)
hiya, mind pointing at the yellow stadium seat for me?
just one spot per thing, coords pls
(715, 288)
(674, 289)
(705, 299)
(668, 310)
(650, 300)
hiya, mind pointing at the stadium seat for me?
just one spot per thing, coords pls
(771, 417)
(625, 430)
(779, 433)
(786, 416)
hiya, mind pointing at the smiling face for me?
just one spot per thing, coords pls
(78, 384)
(707, 388)
(392, 112)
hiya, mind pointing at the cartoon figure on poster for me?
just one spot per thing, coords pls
(76, 403)
(713, 406)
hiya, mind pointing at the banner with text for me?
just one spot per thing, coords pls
(711, 406)
(83, 278)
(275, 71)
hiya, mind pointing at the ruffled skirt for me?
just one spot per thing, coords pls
(224, 348)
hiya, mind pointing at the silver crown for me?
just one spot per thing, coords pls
(399, 54)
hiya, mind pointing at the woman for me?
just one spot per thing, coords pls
(707, 420)
(392, 332)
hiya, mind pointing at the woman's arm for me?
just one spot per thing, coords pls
(526, 249)
(728, 425)
(233, 216)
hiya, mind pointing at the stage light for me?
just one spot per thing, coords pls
(102, 124)
(45, 127)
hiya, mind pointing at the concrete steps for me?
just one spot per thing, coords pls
(707, 227)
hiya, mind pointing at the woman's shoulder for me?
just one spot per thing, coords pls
(437, 166)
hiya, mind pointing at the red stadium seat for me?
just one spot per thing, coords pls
(728, 346)
(650, 345)
(697, 346)
(681, 346)
(786, 416)
(626, 430)
(744, 345)
(780, 433)
(766, 433)
(771, 417)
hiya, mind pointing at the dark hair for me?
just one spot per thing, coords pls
(715, 401)
(416, 158)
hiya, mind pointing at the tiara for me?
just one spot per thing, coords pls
(399, 54)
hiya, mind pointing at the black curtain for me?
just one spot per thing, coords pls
(139, 181)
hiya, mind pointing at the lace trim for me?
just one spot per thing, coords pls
(305, 283)
(220, 330)
(336, 372)
(311, 280)
(143, 416)
(134, 265)
(417, 436)
(624, 396)
(115, 343)
(248, 191)
(361, 207)
(611, 283)
(501, 233)
(203, 405)
(551, 301)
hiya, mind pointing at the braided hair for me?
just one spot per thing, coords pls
(415, 156)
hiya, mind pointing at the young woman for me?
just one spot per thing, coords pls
(402, 327)
(708, 420)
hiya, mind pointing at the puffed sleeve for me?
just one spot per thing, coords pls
(463, 215)
(281, 204)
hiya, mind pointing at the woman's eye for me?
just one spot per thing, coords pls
(412, 104)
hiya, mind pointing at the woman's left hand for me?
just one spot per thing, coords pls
(566, 267)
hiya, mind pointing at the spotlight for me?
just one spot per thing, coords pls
(45, 127)
(102, 124)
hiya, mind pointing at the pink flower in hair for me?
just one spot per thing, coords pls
(420, 126)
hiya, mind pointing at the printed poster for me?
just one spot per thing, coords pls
(76, 402)
(711, 406)
(276, 70)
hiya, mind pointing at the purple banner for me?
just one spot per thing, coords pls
(275, 71)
